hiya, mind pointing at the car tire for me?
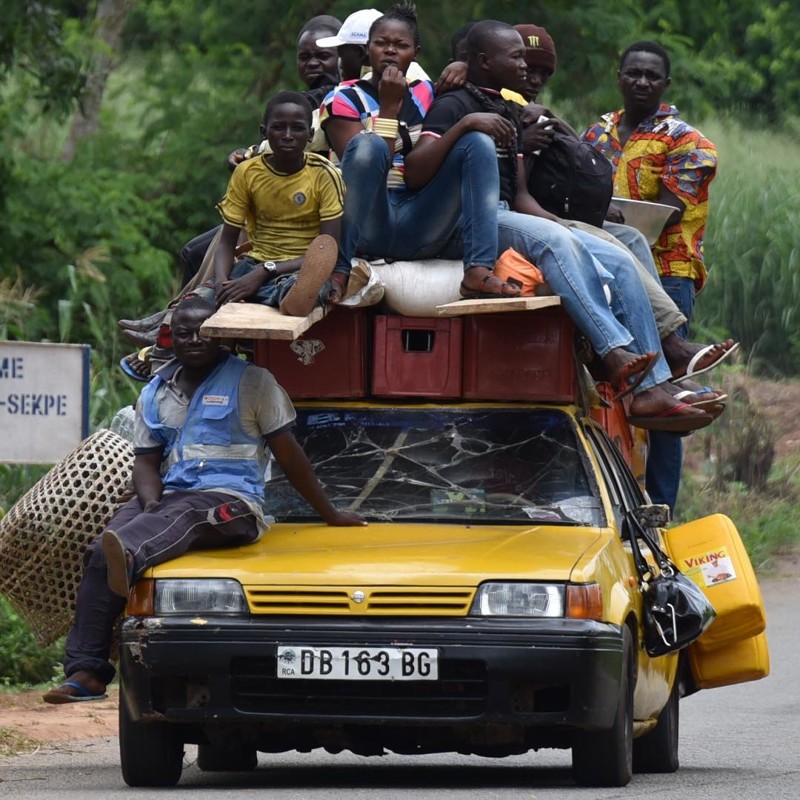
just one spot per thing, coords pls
(151, 753)
(220, 758)
(605, 758)
(657, 751)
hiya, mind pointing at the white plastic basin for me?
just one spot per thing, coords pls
(649, 218)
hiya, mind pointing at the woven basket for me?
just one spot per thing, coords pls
(44, 535)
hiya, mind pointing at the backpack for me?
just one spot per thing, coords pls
(572, 180)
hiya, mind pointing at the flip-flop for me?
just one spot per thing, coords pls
(624, 388)
(318, 264)
(674, 420)
(691, 372)
(59, 697)
(709, 403)
(126, 367)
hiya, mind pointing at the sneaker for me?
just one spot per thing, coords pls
(318, 264)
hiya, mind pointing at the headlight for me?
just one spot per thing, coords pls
(199, 596)
(519, 600)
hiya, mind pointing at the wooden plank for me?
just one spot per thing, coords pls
(254, 321)
(491, 306)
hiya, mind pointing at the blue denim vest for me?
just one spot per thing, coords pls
(211, 450)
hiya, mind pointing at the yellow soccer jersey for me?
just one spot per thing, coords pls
(282, 213)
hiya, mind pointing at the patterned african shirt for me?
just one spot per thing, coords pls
(664, 148)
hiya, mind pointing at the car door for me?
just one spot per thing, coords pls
(655, 675)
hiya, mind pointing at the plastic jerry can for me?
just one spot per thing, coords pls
(711, 553)
(745, 660)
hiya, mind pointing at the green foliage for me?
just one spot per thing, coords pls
(34, 45)
(732, 467)
(751, 245)
(15, 481)
(22, 660)
(767, 522)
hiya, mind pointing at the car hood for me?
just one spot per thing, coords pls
(393, 554)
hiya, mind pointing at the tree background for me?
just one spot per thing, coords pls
(116, 117)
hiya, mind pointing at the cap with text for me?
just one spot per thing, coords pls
(354, 30)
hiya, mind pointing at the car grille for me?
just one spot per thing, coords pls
(460, 691)
(449, 601)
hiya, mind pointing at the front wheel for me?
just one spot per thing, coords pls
(151, 753)
(657, 751)
(605, 758)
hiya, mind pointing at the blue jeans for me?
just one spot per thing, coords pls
(568, 259)
(273, 291)
(635, 241)
(668, 318)
(407, 224)
(663, 474)
(683, 293)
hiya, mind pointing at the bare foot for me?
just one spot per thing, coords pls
(680, 352)
(659, 402)
(78, 687)
(481, 282)
(706, 393)
(622, 365)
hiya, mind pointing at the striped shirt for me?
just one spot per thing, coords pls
(357, 101)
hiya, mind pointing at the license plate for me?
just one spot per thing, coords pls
(358, 663)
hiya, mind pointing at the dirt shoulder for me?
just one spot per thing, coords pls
(26, 721)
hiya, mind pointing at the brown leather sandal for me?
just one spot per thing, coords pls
(468, 293)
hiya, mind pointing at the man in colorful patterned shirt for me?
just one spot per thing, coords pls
(660, 158)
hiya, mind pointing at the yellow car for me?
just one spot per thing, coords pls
(491, 606)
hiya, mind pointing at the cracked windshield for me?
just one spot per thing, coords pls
(454, 466)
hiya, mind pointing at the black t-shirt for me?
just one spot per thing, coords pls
(449, 108)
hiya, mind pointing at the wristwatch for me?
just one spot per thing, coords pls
(271, 268)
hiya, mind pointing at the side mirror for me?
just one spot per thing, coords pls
(653, 516)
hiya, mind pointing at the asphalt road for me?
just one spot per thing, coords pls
(740, 742)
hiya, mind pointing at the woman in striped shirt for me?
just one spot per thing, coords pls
(372, 124)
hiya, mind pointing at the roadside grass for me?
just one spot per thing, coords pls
(15, 744)
(734, 468)
(767, 522)
(751, 245)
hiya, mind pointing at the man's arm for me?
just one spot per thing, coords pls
(423, 162)
(297, 468)
(666, 197)
(147, 478)
(524, 201)
(223, 257)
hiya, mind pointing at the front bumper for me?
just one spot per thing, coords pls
(561, 674)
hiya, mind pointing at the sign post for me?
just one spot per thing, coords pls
(44, 401)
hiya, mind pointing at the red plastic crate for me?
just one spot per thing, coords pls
(328, 361)
(615, 421)
(417, 357)
(526, 355)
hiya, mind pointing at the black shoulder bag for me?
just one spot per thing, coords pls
(675, 610)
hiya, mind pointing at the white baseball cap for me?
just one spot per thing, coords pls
(354, 30)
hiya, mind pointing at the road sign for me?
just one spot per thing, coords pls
(44, 401)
